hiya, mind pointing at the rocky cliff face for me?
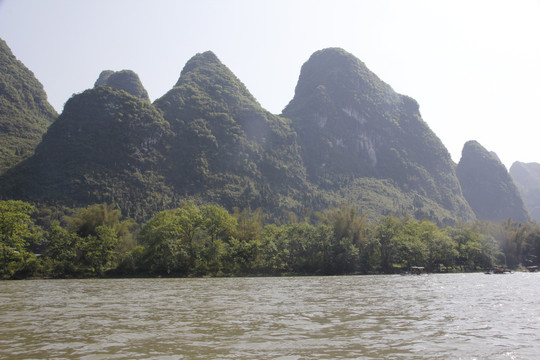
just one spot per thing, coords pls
(488, 187)
(356, 133)
(527, 178)
(25, 113)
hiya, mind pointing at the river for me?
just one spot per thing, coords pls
(445, 316)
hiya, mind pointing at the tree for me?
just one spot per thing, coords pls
(103, 234)
(218, 223)
(386, 233)
(442, 251)
(249, 224)
(16, 230)
(531, 251)
(166, 249)
(219, 226)
(411, 243)
(273, 251)
(476, 250)
(86, 221)
(62, 247)
(188, 239)
(352, 248)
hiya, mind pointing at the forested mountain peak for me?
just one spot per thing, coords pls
(126, 80)
(25, 112)
(355, 131)
(106, 146)
(206, 71)
(487, 185)
(239, 153)
(343, 78)
(345, 137)
(200, 60)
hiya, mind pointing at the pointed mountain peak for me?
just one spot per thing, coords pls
(4, 48)
(207, 72)
(103, 77)
(205, 59)
(473, 150)
(126, 80)
(487, 185)
(352, 125)
(343, 76)
(531, 168)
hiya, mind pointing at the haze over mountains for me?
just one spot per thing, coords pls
(488, 187)
(345, 137)
(527, 178)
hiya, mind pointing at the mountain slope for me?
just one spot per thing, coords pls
(227, 149)
(527, 178)
(488, 187)
(25, 112)
(106, 146)
(366, 144)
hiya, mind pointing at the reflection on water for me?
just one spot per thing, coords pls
(467, 316)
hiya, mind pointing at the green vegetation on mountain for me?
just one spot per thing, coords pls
(349, 179)
(208, 240)
(353, 130)
(25, 112)
(345, 138)
(106, 146)
(527, 178)
(226, 148)
(125, 80)
(488, 187)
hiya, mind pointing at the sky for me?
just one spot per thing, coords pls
(472, 65)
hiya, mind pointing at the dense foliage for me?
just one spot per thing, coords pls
(210, 241)
(487, 185)
(25, 112)
(226, 148)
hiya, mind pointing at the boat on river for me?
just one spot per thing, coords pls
(414, 270)
(498, 270)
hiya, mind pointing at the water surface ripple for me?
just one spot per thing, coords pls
(451, 316)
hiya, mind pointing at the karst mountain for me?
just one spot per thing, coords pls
(345, 138)
(488, 187)
(25, 113)
(365, 144)
(527, 178)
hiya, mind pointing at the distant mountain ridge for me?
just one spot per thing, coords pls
(345, 137)
(527, 178)
(488, 187)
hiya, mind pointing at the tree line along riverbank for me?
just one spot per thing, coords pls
(208, 240)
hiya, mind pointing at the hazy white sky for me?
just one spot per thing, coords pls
(473, 66)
